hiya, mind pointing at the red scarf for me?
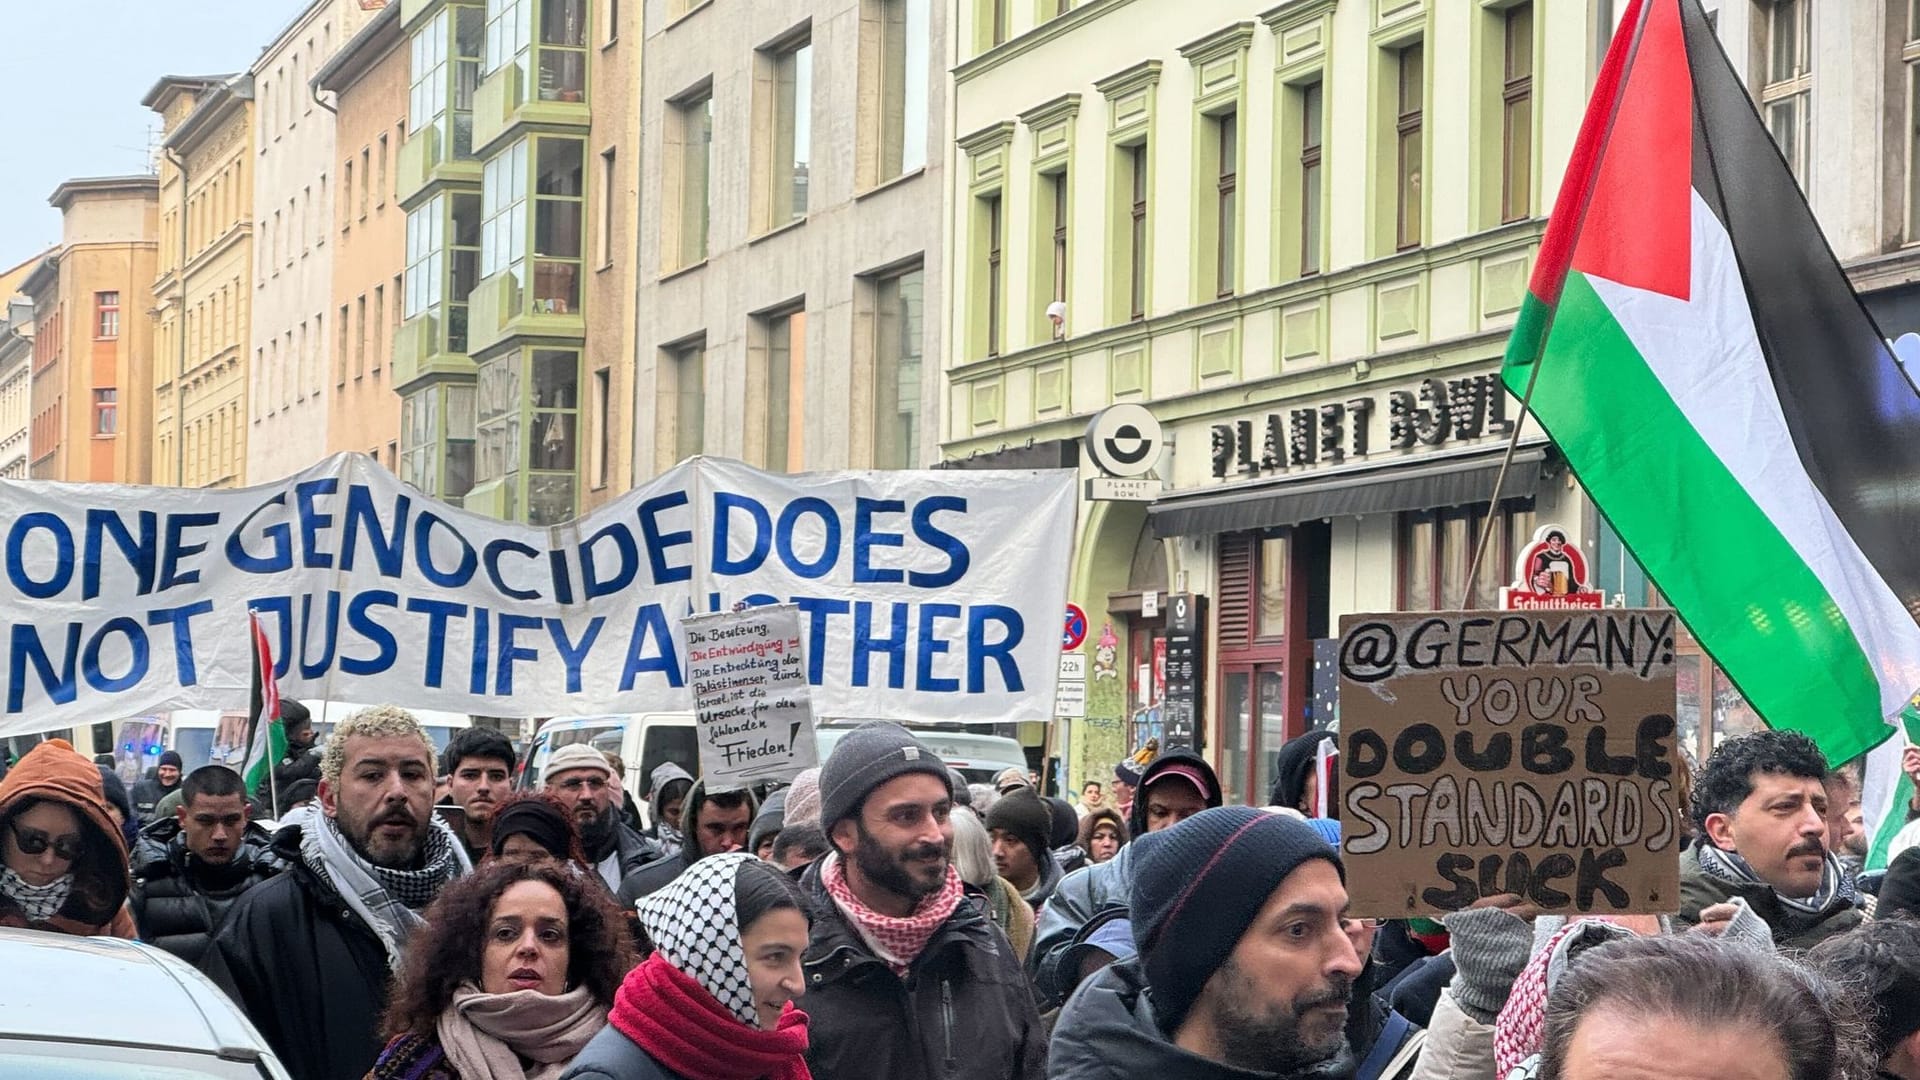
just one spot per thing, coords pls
(672, 1017)
(904, 937)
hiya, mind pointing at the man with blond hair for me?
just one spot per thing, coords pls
(308, 955)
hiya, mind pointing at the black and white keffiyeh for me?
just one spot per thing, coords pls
(1836, 885)
(37, 902)
(694, 925)
(389, 901)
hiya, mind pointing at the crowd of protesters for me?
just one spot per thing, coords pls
(881, 918)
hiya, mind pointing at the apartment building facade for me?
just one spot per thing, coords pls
(791, 234)
(298, 176)
(91, 385)
(204, 288)
(364, 85)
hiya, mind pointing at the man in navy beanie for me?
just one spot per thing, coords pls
(1245, 966)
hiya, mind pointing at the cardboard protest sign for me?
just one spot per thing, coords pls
(1509, 752)
(748, 671)
(925, 595)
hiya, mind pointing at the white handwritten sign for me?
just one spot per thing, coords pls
(748, 672)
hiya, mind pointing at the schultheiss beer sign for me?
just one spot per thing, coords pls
(1550, 573)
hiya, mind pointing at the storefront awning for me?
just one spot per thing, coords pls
(1455, 481)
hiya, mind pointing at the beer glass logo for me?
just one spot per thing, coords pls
(1550, 566)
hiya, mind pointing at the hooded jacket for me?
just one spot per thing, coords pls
(660, 873)
(664, 777)
(964, 1011)
(305, 969)
(53, 772)
(1107, 1032)
(1292, 768)
(1088, 890)
(179, 900)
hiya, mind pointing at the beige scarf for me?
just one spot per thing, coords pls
(486, 1036)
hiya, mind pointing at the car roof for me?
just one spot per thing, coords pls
(62, 987)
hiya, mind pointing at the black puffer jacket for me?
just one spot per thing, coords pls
(963, 1012)
(308, 973)
(146, 795)
(296, 766)
(178, 900)
(660, 873)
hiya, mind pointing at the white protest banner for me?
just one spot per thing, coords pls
(748, 673)
(924, 595)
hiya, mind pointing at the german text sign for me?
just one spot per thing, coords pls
(1509, 752)
(749, 679)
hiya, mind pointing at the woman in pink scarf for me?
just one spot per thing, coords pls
(515, 970)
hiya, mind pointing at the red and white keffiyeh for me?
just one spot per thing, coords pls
(898, 939)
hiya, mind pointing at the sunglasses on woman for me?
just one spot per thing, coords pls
(35, 842)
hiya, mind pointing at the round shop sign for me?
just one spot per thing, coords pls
(1076, 629)
(1124, 439)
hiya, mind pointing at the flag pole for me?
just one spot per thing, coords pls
(1546, 330)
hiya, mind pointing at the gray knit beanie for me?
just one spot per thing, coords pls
(865, 758)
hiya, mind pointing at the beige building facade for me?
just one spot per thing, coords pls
(91, 387)
(296, 340)
(791, 233)
(614, 146)
(204, 291)
(365, 86)
(1298, 236)
(16, 354)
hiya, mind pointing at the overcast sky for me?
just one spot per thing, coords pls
(73, 73)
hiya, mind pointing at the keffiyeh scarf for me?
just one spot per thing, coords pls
(897, 939)
(1836, 886)
(37, 902)
(389, 901)
(693, 924)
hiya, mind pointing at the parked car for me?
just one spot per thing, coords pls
(109, 1009)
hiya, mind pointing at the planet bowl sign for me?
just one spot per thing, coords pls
(1550, 574)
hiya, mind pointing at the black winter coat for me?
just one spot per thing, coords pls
(296, 766)
(177, 900)
(610, 1055)
(964, 1011)
(146, 795)
(308, 973)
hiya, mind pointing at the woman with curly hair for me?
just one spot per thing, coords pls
(715, 1000)
(509, 979)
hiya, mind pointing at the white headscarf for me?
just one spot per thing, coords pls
(694, 924)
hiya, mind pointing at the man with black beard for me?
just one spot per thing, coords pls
(1246, 960)
(905, 977)
(309, 955)
(579, 776)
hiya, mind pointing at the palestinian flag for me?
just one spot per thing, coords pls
(266, 738)
(1699, 357)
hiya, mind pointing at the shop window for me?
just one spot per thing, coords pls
(1435, 550)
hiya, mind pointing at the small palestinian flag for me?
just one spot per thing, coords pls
(1706, 369)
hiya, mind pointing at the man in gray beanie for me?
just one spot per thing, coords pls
(905, 976)
(1246, 959)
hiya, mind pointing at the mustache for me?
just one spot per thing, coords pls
(1338, 991)
(1813, 846)
(924, 851)
(394, 817)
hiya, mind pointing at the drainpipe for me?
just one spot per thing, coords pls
(180, 332)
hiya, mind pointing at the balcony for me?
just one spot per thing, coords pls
(498, 310)
(503, 102)
(426, 160)
(420, 356)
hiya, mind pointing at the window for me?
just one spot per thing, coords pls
(604, 235)
(792, 135)
(380, 187)
(783, 387)
(602, 428)
(366, 180)
(346, 208)
(464, 258)
(611, 9)
(425, 273)
(992, 287)
(1910, 55)
(1786, 92)
(106, 412)
(899, 328)
(688, 405)
(1310, 172)
(694, 121)
(1226, 218)
(559, 219)
(902, 71)
(1135, 161)
(503, 228)
(345, 322)
(563, 50)
(1436, 548)
(360, 339)
(1408, 125)
(997, 18)
(439, 99)
(106, 315)
(379, 323)
(1516, 113)
(509, 36)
